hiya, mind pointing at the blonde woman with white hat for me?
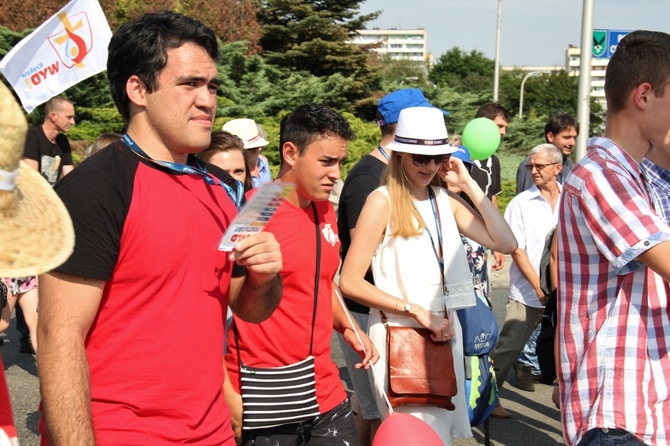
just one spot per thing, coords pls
(409, 232)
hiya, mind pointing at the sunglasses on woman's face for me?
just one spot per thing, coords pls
(422, 160)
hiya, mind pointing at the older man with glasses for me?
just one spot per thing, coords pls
(531, 215)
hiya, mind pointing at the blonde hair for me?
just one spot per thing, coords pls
(404, 218)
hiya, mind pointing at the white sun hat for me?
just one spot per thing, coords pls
(36, 232)
(421, 131)
(247, 130)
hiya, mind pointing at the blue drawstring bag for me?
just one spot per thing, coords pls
(480, 327)
(480, 333)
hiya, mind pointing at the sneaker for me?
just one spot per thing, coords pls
(524, 377)
(500, 412)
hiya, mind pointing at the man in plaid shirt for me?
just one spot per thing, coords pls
(613, 332)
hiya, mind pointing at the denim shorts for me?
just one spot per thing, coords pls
(609, 437)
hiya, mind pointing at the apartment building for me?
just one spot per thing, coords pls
(408, 44)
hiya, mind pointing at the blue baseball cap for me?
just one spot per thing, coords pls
(388, 108)
(463, 154)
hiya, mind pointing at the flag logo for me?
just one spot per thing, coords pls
(74, 41)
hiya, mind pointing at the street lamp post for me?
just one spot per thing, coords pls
(496, 72)
(523, 82)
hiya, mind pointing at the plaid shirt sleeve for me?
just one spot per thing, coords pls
(617, 213)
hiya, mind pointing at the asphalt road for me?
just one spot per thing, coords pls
(534, 422)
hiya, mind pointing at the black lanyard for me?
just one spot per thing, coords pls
(198, 169)
(383, 152)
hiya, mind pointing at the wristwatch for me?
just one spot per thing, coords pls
(407, 308)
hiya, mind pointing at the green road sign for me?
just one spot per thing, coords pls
(599, 43)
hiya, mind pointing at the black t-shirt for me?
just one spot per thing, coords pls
(39, 148)
(362, 179)
(486, 174)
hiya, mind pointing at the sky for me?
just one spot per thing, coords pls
(533, 32)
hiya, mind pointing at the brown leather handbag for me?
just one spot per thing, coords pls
(420, 370)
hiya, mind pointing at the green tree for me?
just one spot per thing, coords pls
(468, 71)
(9, 38)
(546, 95)
(231, 20)
(315, 37)
(461, 105)
(402, 73)
(252, 87)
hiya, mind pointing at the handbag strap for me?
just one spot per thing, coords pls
(317, 274)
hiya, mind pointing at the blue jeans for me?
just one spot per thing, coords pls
(528, 355)
(609, 437)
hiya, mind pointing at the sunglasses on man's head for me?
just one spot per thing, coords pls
(422, 160)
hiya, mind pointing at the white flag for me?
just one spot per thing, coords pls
(66, 49)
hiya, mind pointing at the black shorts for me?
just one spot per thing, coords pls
(333, 428)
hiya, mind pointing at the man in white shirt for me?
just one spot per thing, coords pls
(531, 215)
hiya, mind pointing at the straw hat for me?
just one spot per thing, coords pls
(421, 131)
(36, 232)
(247, 130)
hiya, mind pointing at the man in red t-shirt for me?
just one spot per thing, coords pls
(132, 324)
(314, 140)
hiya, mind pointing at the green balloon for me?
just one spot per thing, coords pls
(482, 138)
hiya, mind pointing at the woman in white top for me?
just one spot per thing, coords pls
(408, 231)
